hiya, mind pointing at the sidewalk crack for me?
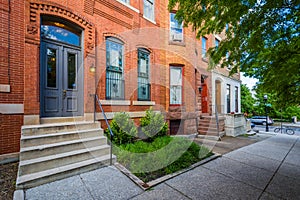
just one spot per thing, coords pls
(271, 179)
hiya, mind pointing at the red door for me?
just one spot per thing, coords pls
(204, 99)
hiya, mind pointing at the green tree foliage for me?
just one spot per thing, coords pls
(262, 39)
(275, 110)
(247, 101)
(153, 124)
(123, 129)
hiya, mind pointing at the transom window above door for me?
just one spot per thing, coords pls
(60, 32)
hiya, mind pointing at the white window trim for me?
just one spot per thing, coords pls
(129, 6)
(218, 37)
(181, 95)
(110, 115)
(150, 20)
(182, 41)
(143, 103)
(206, 40)
(116, 102)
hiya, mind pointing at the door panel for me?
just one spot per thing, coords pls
(61, 82)
(71, 94)
(50, 80)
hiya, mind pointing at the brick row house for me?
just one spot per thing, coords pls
(133, 54)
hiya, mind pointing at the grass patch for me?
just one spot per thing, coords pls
(165, 155)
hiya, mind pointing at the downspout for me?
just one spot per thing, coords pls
(8, 43)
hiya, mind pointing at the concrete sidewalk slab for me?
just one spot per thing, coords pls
(266, 151)
(202, 183)
(105, 183)
(109, 183)
(70, 188)
(162, 191)
(284, 187)
(253, 176)
(254, 160)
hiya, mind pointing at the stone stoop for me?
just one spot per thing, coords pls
(55, 151)
(208, 126)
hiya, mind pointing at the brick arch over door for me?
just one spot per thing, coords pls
(38, 8)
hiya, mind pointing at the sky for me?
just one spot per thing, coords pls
(250, 82)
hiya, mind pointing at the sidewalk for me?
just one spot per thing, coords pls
(267, 169)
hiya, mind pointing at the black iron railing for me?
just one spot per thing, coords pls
(144, 91)
(97, 101)
(115, 88)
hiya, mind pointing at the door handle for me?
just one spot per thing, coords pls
(64, 93)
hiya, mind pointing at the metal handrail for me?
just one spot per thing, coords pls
(106, 121)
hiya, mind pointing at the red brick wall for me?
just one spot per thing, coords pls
(11, 71)
(10, 133)
(12, 50)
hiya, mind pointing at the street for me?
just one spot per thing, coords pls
(271, 129)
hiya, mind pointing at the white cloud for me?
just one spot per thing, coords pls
(250, 82)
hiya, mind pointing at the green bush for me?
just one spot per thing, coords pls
(153, 125)
(123, 129)
(164, 155)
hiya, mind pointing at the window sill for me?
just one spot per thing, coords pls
(150, 20)
(129, 6)
(177, 43)
(115, 102)
(143, 103)
(4, 88)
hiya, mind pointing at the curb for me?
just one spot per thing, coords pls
(19, 195)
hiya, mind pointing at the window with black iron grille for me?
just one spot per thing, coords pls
(114, 69)
(144, 88)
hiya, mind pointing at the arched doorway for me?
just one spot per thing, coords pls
(61, 71)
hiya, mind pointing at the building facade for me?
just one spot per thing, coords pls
(133, 54)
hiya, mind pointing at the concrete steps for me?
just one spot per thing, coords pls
(208, 126)
(53, 174)
(54, 151)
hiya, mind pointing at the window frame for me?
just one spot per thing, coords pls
(182, 29)
(125, 1)
(217, 43)
(228, 98)
(114, 71)
(141, 52)
(204, 50)
(150, 2)
(236, 98)
(181, 85)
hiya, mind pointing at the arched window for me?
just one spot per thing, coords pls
(114, 68)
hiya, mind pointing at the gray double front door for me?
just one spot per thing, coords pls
(61, 80)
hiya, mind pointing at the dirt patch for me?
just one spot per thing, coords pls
(8, 176)
(228, 144)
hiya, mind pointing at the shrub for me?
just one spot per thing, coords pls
(164, 155)
(123, 129)
(153, 125)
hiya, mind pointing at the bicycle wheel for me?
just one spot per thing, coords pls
(276, 130)
(290, 131)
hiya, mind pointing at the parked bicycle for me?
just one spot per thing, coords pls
(286, 130)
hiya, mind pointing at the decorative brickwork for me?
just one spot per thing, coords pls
(38, 8)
